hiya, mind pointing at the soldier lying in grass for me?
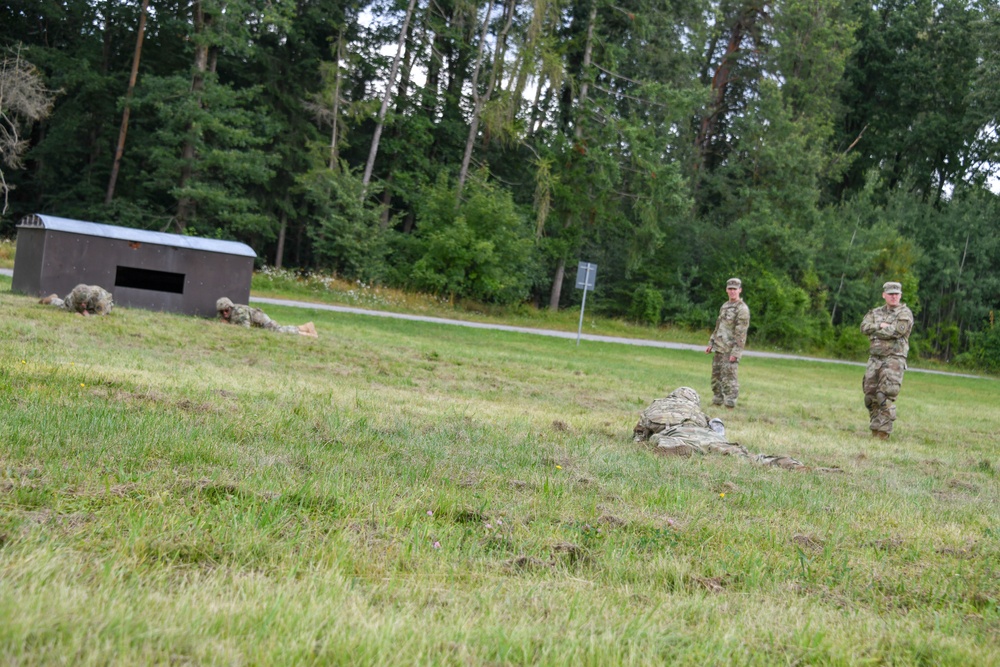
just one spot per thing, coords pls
(245, 316)
(83, 300)
(676, 426)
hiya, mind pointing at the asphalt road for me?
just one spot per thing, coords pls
(558, 334)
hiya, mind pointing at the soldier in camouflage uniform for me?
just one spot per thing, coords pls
(676, 426)
(85, 300)
(245, 316)
(727, 342)
(888, 328)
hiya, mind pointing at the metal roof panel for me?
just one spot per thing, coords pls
(53, 223)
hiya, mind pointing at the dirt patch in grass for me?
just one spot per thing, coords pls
(808, 543)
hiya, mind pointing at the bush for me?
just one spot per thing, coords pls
(780, 311)
(481, 248)
(647, 305)
(345, 231)
(984, 350)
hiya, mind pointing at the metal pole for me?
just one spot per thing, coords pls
(583, 304)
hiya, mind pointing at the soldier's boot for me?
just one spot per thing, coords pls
(308, 329)
(48, 299)
(881, 435)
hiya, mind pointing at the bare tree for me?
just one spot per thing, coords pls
(385, 101)
(120, 149)
(24, 100)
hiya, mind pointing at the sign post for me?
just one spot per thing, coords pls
(586, 277)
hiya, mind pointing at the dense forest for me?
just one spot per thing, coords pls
(478, 149)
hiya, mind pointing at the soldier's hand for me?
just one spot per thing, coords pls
(708, 350)
(732, 358)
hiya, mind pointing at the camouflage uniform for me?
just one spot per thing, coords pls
(245, 316)
(728, 340)
(886, 362)
(676, 426)
(681, 407)
(88, 299)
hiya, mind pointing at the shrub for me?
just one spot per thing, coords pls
(481, 248)
(647, 305)
(984, 350)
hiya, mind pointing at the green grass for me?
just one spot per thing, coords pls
(173, 490)
(7, 247)
(322, 288)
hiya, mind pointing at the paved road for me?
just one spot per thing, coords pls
(555, 334)
(566, 334)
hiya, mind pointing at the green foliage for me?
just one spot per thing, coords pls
(480, 248)
(850, 343)
(647, 305)
(227, 131)
(345, 230)
(780, 311)
(984, 349)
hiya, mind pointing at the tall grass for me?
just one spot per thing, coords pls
(7, 253)
(175, 490)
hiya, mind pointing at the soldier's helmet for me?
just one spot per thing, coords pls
(222, 304)
(687, 393)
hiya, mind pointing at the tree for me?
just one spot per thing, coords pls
(24, 100)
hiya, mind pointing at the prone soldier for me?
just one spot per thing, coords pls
(84, 300)
(245, 316)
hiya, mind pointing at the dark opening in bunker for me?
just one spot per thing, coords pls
(158, 281)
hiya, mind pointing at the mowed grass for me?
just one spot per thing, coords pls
(177, 491)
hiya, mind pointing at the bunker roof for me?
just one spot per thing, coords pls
(53, 223)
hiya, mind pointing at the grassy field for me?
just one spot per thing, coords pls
(176, 491)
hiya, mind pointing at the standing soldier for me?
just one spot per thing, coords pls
(728, 341)
(888, 328)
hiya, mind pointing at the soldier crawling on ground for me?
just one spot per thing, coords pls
(83, 300)
(676, 426)
(245, 316)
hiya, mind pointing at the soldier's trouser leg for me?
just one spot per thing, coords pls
(725, 384)
(271, 325)
(882, 381)
(717, 362)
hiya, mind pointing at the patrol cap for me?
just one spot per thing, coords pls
(892, 288)
(734, 282)
(222, 304)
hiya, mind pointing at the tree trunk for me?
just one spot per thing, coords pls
(280, 252)
(120, 148)
(557, 283)
(185, 205)
(334, 139)
(557, 280)
(477, 102)
(373, 151)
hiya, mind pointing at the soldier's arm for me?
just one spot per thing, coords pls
(868, 326)
(898, 327)
(740, 332)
